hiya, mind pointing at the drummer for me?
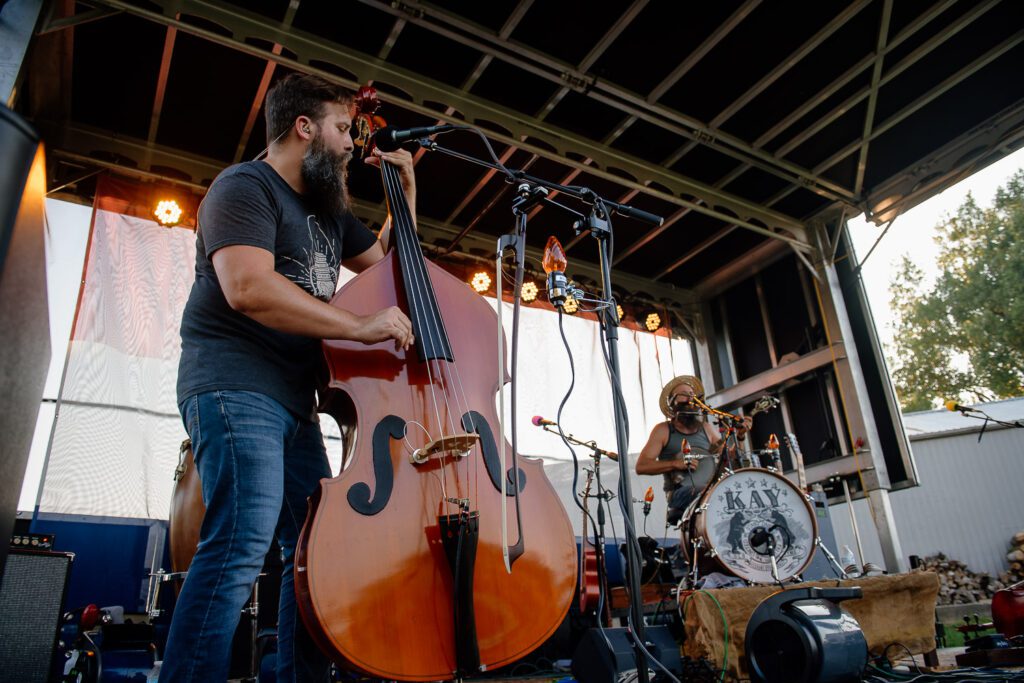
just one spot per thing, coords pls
(663, 454)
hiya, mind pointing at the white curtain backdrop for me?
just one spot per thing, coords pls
(116, 438)
(117, 432)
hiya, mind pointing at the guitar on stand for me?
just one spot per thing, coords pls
(798, 459)
(798, 462)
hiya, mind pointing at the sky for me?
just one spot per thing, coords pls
(913, 234)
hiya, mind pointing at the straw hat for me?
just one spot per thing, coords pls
(665, 402)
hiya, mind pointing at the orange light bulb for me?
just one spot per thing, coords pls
(649, 496)
(773, 443)
(686, 447)
(554, 256)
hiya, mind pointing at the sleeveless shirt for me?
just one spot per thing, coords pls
(699, 443)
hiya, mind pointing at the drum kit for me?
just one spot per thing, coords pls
(750, 522)
(186, 517)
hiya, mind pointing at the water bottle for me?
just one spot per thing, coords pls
(848, 562)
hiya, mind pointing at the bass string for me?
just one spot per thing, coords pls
(427, 311)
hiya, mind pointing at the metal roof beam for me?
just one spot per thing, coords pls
(775, 74)
(161, 82)
(897, 69)
(555, 71)
(51, 24)
(246, 25)
(856, 69)
(693, 253)
(942, 88)
(703, 49)
(704, 245)
(876, 74)
(261, 89)
(389, 42)
(612, 34)
(592, 57)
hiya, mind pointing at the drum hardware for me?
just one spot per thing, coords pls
(853, 521)
(836, 567)
(762, 542)
(156, 580)
(251, 610)
(698, 543)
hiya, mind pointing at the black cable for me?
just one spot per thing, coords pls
(511, 176)
(906, 649)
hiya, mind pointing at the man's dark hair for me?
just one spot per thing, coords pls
(300, 95)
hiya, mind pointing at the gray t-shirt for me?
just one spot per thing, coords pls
(222, 349)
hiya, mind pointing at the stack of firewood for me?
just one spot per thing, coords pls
(959, 585)
(1015, 558)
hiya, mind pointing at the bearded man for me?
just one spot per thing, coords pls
(271, 237)
(685, 474)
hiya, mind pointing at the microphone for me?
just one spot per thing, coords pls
(539, 421)
(648, 499)
(953, 406)
(389, 139)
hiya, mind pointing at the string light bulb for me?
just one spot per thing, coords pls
(571, 305)
(167, 212)
(653, 322)
(529, 291)
(481, 282)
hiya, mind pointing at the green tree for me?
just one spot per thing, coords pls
(963, 337)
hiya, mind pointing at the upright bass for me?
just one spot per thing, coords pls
(400, 569)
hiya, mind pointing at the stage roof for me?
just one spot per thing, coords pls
(742, 123)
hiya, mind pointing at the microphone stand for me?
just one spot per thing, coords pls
(599, 226)
(603, 496)
(598, 223)
(592, 445)
(982, 415)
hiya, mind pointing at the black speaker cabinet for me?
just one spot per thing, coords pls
(31, 606)
(598, 660)
(24, 315)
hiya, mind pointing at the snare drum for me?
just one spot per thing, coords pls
(743, 519)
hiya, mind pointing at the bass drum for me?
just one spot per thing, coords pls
(187, 511)
(744, 518)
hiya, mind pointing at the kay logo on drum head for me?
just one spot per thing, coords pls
(758, 515)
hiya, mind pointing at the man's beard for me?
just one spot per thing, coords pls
(325, 175)
(688, 420)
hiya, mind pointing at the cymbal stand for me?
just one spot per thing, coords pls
(840, 572)
(156, 580)
(252, 610)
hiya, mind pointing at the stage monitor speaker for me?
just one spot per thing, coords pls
(24, 314)
(31, 606)
(597, 660)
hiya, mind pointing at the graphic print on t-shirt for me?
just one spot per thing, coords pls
(319, 274)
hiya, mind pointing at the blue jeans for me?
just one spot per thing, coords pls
(258, 462)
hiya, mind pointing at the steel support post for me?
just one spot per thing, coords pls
(861, 418)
